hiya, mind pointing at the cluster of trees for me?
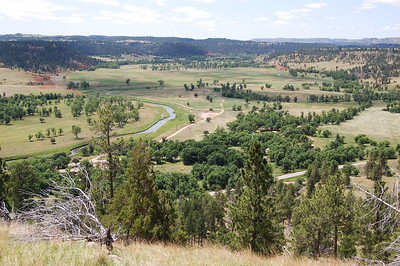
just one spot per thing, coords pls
(83, 85)
(241, 92)
(18, 106)
(50, 133)
(23, 179)
(123, 108)
(312, 98)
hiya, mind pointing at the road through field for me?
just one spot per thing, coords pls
(286, 176)
(204, 116)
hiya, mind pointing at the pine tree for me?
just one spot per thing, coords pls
(253, 214)
(325, 223)
(4, 177)
(103, 127)
(135, 206)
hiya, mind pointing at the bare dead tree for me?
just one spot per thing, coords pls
(4, 213)
(388, 203)
(65, 211)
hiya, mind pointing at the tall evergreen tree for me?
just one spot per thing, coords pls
(135, 207)
(4, 177)
(325, 223)
(103, 127)
(254, 218)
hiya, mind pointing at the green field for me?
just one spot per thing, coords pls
(14, 137)
(375, 123)
(113, 80)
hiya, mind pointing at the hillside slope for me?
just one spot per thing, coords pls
(42, 56)
(15, 249)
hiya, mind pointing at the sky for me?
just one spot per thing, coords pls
(200, 19)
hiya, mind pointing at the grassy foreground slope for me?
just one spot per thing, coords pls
(14, 251)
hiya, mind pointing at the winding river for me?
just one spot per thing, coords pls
(151, 129)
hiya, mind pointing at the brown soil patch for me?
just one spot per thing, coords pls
(279, 67)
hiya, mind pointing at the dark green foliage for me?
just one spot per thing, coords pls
(23, 182)
(202, 217)
(253, 216)
(135, 207)
(285, 200)
(42, 56)
(178, 184)
(60, 160)
(4, 179)
(376, 165)
(325, 223)
(191, 118)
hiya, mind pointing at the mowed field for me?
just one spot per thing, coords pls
(14, 137)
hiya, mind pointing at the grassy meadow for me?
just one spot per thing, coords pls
(14, 137)
(376, 124)
(113, 81)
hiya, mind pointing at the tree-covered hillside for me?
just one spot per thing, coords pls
(42, 56)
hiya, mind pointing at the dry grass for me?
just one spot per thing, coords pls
(22, 252)
(373, 122)
(329, 65)
(173, 167)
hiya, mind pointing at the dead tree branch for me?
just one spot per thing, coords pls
(66, 212)
(387, 202)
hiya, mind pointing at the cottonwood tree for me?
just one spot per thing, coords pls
(76, 130)
(253, 214)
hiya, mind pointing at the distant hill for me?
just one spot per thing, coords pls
(46, 56)
(49, 53)
(161, 46)
(362, 42)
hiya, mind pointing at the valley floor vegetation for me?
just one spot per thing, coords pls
(284, 114)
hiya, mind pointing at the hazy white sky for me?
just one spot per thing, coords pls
(235, 19)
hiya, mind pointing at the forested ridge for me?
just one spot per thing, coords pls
(42, 56)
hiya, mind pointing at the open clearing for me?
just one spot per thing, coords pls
(114, 79)
(375, 123)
